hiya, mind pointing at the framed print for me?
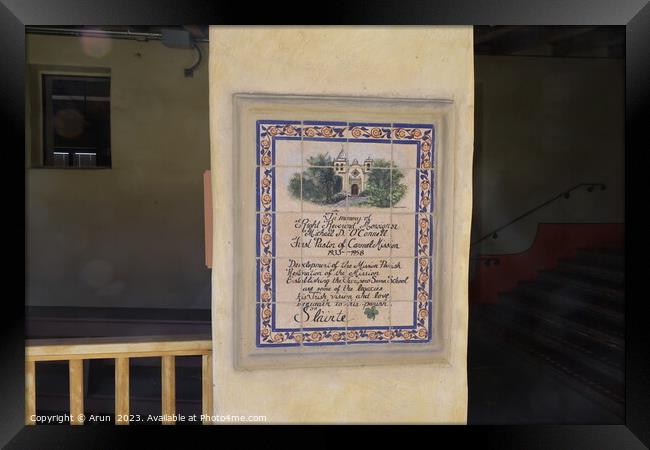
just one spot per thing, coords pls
(341, 191)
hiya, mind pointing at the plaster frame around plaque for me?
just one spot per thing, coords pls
(247, 110)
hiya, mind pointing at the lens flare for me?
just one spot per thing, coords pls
(95, 46)
(68, 123)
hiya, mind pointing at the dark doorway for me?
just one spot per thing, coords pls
(355, 189)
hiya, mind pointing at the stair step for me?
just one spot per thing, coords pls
(567, 306)
(588, 373)
(598, 331)
(571, 319)
(571, 350)
(602, 258)
(586, 269)
(609, 349)
(592, 300)
(594, 286)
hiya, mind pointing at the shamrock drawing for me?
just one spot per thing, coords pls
(371, 312)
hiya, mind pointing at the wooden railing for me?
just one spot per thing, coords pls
(75, 351)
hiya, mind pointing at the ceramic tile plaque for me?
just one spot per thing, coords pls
(338, 257)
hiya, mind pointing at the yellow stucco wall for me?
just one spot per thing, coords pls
(129, 236)
(416, 62)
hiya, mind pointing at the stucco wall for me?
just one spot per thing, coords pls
(543, 125)
(130, 236)
(418, 62)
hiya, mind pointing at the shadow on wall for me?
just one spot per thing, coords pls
(544, 124)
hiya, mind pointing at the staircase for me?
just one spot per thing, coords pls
(571, 320)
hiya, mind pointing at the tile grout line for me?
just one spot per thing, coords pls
(390, 255)
(302, 215)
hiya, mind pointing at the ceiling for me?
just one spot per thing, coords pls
(197, 31)
(555, 41)
(139, 32)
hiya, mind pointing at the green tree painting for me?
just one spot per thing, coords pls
(319, 184)
(322, 186)
(383, 186)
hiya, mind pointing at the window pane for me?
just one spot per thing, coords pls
(68, 87)
(76, 121)
(68, 121)
(98, 87)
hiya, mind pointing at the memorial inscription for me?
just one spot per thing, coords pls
(344, 222)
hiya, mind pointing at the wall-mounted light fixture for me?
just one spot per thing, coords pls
(175, 38)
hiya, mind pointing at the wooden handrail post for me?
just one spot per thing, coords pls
(121, 349)
(206, 388)
(121, 391)
(168, 378)
(76, 391)
(30, 392)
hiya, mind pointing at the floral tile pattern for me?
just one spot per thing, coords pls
(345, 236)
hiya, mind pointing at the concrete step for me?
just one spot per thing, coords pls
(571, 319)
(590, 285)
(554, 301)
(571, 350)
(587, 269)
(602, 258)
(597, 380)
(596, 341)
(590, 299)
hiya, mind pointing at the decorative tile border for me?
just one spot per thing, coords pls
(268, 133)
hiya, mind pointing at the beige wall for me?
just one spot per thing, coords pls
(543, 125)
(130, 236)
(417, 62)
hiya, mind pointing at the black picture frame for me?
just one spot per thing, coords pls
(634, 14)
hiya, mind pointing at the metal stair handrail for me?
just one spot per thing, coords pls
(565, 193)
